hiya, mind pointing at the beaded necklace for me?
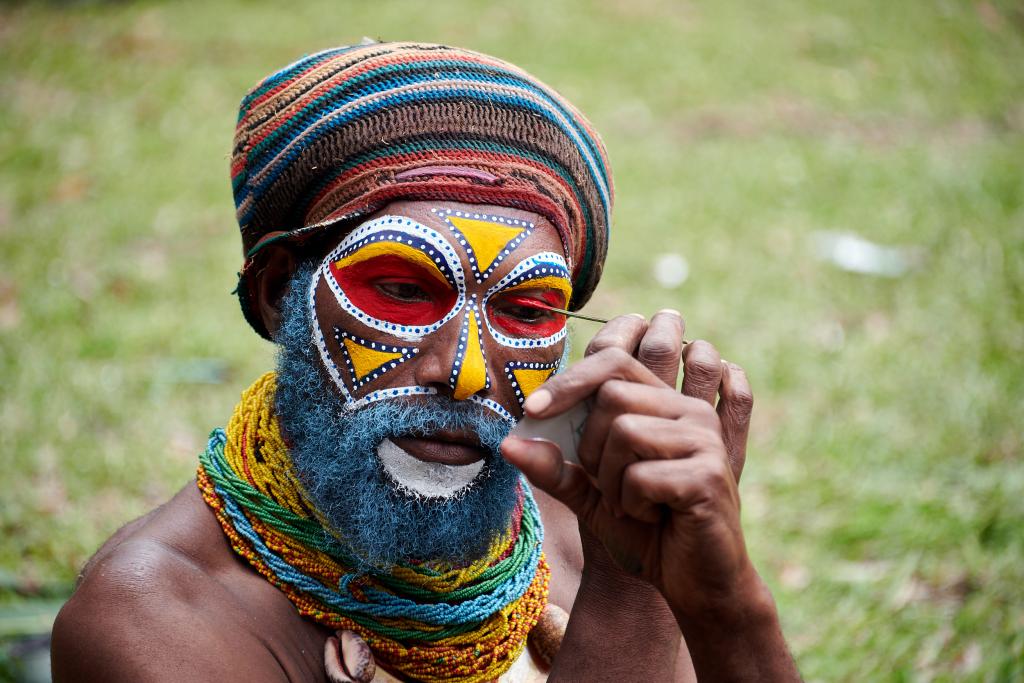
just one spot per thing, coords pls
(424, 620)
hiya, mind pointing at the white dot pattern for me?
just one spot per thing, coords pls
(539, 265)
(518, 365)
(321, 345)
(479, 275)
(406, 351)
(399, 230)
(391, 393)
(495, 407)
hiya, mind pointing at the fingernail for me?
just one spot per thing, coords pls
(537, 401)
(636, 315)
(671, 311)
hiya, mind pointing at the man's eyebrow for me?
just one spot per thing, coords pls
(556, 282)
(392, 248)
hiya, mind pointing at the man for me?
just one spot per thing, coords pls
(413, 218)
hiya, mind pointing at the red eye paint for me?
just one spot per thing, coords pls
(521, 316)
(394, 289)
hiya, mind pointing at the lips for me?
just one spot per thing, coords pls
(447, 448)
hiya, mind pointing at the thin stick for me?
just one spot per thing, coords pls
(573, 314)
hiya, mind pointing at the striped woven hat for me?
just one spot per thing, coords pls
(340, 134)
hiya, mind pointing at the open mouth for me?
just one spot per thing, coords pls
(434, 467)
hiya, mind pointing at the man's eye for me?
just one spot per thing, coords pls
(530, 314)
(403, 291)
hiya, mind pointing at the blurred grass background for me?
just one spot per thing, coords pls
(884, 493)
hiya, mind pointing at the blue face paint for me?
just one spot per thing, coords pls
(335, 455)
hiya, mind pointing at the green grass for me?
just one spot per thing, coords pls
(884, 493)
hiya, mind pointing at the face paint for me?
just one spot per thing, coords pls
(486, 239)
(367, 360)
(397, 278)
(393, 247)
(395, 289)
(427, 479)
(545, 273)
(469, 371)
(520, 315)
(526, 377)
(413, 295)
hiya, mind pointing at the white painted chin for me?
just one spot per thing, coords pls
(426, 479)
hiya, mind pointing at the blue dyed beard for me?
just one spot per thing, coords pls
(335, 455)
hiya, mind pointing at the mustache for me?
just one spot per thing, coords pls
(432, 415)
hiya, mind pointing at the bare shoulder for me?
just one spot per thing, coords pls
(165, 599)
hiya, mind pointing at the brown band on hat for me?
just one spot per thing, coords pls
(456, 171)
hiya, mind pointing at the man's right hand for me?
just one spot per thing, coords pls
(657, 480)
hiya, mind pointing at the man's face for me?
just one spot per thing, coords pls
(424, 320)
(440, 298)
(434, 297)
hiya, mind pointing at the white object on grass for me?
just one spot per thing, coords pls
(857, 255)
(671, 270)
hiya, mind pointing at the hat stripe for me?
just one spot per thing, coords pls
(369, 81)
(277, 82)
(355, 56)
(418, 120)
(294, 72)
(360, 175)
(483, 65)
(413, 93)
(386, 59)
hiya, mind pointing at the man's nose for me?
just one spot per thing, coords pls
(469, 368)
(456, 357)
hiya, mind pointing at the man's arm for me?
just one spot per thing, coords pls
(605, 605)
(620, 628)
(741, 641)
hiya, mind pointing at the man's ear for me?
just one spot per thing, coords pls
(270, 282)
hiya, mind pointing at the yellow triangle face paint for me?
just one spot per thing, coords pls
(529, 380)
(469, 372)
(367, 360)
(527, 377)
(487, 239)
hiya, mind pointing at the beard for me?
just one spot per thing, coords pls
(334, 450)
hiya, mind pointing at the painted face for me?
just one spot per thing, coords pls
(441, 297)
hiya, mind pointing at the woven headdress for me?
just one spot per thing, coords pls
(340, 134)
